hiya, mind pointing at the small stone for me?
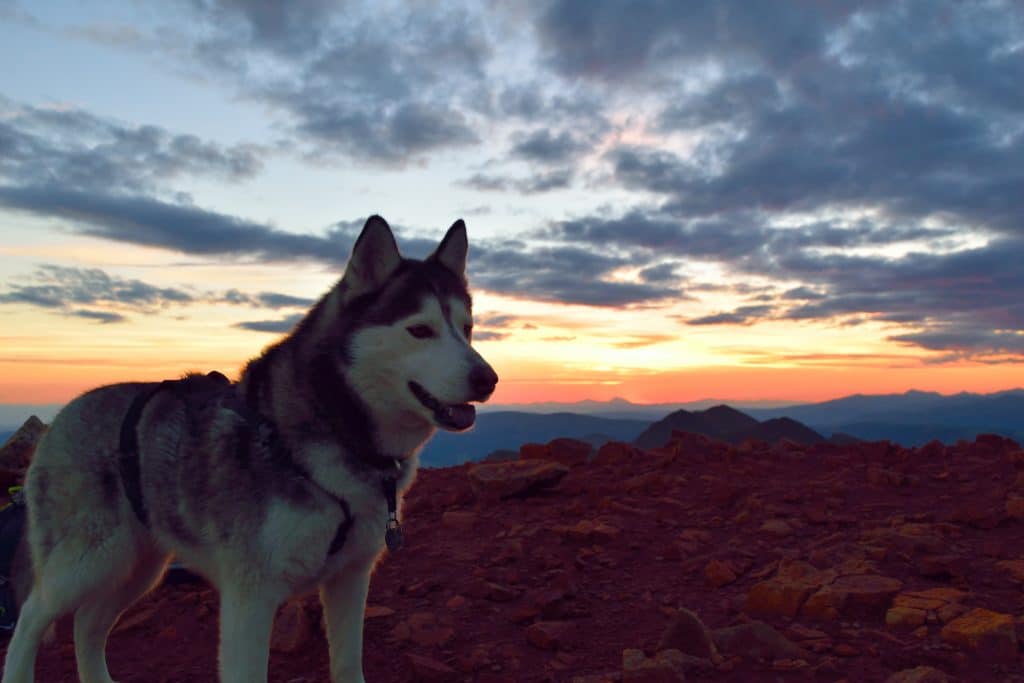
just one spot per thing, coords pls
(777, 528)
(424, 628)
(588, 531)
(1015, 506)
(292, 628)
(845, 650)
(905, 617)
(984, 632)
(665, 667)
(1014, 569)
(549, 635)
(920, 674)
(136, 618)
(429, 670)
(378, 611)
(719, 573)
(456, 601)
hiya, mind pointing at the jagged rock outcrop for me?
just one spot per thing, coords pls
(16, 452)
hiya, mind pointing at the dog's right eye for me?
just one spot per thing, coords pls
(421, 331)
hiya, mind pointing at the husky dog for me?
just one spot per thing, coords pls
(285, 482)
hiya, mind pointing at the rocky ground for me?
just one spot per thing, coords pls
(696, 561)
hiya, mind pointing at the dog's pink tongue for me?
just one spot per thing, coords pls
(463, 416)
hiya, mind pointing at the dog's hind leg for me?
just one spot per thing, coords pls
(93, 554)
(67, 577)
(97, 615)
(246, 619)
(35, 617)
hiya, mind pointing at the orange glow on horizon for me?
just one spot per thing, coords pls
(39, 383)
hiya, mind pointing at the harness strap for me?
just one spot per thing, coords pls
(264, 432)
(129, 461)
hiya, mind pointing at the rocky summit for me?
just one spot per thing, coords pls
(697, 560)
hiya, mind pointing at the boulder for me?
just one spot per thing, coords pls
(688, 634)
(756, 640)
(495, 481)
(785, 593)
(857, 595)
(988, 634)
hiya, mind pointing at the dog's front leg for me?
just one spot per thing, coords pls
(246, 619)
(344, 601)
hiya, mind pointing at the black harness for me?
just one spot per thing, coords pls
(263, 432)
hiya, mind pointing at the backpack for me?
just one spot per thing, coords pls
(12, 526)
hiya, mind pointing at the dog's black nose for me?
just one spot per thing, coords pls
(482, 380)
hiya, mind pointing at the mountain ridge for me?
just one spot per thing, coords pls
(725, 423)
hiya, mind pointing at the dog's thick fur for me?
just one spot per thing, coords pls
(348, 399)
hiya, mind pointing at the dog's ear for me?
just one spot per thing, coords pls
(374, 257)
(451, 253)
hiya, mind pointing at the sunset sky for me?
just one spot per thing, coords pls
(666, 201)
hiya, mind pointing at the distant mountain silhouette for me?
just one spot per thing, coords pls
(726, 424)
(783, 428)
(912, 418)
(508, 430)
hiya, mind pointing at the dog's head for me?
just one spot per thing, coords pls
(409, 354)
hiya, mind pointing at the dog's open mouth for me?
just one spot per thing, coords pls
(454, 417)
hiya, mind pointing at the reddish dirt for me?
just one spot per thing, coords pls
(559, 581)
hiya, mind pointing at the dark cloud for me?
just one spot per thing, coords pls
(966, 342)
(103, 317)
(282, 325)
(64, 290)
(277, 300)
(543, 147)
(187, 229)
(744, 315)
(265, 299)
(662, 272)
(803, 294)
(537, 183)
(919, 129)
(496, 320)
(724, 238)
(77, 150)
(623, 43)
(487, 182)
(290, 28)
(386, 87)
(488, 335)
(58, 286)
(560, 274)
